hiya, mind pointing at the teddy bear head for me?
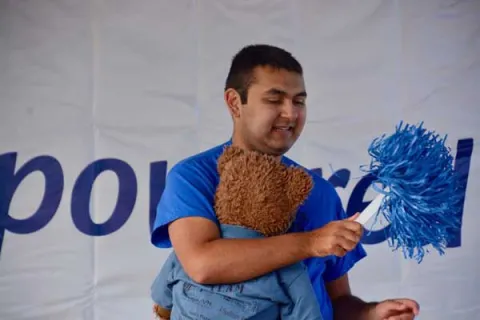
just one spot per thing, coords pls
(258, 191)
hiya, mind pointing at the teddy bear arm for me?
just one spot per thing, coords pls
(161, 313)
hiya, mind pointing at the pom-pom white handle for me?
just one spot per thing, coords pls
(370, 210)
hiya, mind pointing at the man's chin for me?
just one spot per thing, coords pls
(279, 150)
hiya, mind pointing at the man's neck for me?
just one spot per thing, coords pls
(239, 143)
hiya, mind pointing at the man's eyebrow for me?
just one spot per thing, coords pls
(301, 94)
(275, 91)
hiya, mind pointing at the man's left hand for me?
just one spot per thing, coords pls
(395, 309)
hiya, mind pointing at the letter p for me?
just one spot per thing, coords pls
(9, 182)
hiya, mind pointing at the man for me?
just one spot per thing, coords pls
(266, 97)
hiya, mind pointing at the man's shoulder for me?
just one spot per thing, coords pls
(189, 191)
(199, 164)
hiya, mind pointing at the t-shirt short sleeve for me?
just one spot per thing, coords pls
(189, 192)
(335, 267)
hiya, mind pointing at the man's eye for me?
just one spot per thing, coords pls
(301, 103)
(274, 101)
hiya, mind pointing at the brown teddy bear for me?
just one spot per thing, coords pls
(257, 196)
(258, 191)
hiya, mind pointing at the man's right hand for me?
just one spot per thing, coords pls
(335, 238)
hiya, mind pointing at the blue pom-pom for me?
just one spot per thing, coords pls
(422, 197)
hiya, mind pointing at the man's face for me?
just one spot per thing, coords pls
(274, 116)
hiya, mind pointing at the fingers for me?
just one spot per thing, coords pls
(351, 231)
(346, 237)
(350, 235)
(352, 225)
(410, 304)
(346, 243)
(352, 218)
(395, 305)
(403, 304)
(335, 238)
(400, 309)
(342, 245)
(339, 251)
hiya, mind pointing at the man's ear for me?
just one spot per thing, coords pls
(233, 101)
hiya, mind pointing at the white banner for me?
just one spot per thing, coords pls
(98, 99)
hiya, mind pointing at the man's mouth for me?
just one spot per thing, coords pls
(283, 128)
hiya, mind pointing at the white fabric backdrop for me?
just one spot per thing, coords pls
(141, 82)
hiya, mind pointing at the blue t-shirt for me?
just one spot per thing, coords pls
(190, 191)
(286, 293)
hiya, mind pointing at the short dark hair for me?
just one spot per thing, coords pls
(240, 76)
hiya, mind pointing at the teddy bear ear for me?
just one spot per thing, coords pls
(229, 152)
(222, 160)
(299, 186)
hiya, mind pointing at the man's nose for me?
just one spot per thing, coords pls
(289, 111)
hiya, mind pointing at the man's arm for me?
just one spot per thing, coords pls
(345, 305)
(208, 259)
(348, 307)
